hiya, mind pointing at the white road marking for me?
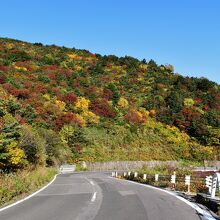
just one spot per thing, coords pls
(127, 193)
(91, 182)
(93, 197)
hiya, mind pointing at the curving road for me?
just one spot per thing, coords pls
(87, 196)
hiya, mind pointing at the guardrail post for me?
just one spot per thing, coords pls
(129, 173)
(145, 176)
(116, 174)
(125, 174)
(135, 174)
(173, 180)
(156, 177)
(208, 183)
(215, 181)
(187, 182)
(214, 185)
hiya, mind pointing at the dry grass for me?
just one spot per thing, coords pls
(16, 185)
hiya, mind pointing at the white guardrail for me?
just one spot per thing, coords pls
(215, 182)
(211, 182)
(67, 168)
(208, 183)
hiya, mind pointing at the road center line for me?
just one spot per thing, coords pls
(93, 197)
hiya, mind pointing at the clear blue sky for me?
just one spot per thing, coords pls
(185, 33)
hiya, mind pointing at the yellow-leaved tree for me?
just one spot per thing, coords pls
(85, 116)
(16, 155)
(54, 106)
(90, 117)
(123, 103)
(82, 104)
(188, 102)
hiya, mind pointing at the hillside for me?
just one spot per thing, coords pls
(67, 105)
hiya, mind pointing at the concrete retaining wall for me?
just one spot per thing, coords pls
(127, 165)
(134, 165)
(214, 164)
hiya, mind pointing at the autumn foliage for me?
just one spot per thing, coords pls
(73, 93)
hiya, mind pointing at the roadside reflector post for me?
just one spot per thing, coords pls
(116, 174)
(125, 174)
(135, 175)
(187, 182)
(156, 177)
(145, 176)
(129, 173)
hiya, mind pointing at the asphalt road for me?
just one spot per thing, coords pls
(87, 196)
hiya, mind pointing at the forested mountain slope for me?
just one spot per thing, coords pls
(67, 105)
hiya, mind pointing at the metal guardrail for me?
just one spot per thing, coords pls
(215, 181)
(210, 182)
(67, 168)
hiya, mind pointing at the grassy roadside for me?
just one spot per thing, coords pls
(197, 183)
(16, 186)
